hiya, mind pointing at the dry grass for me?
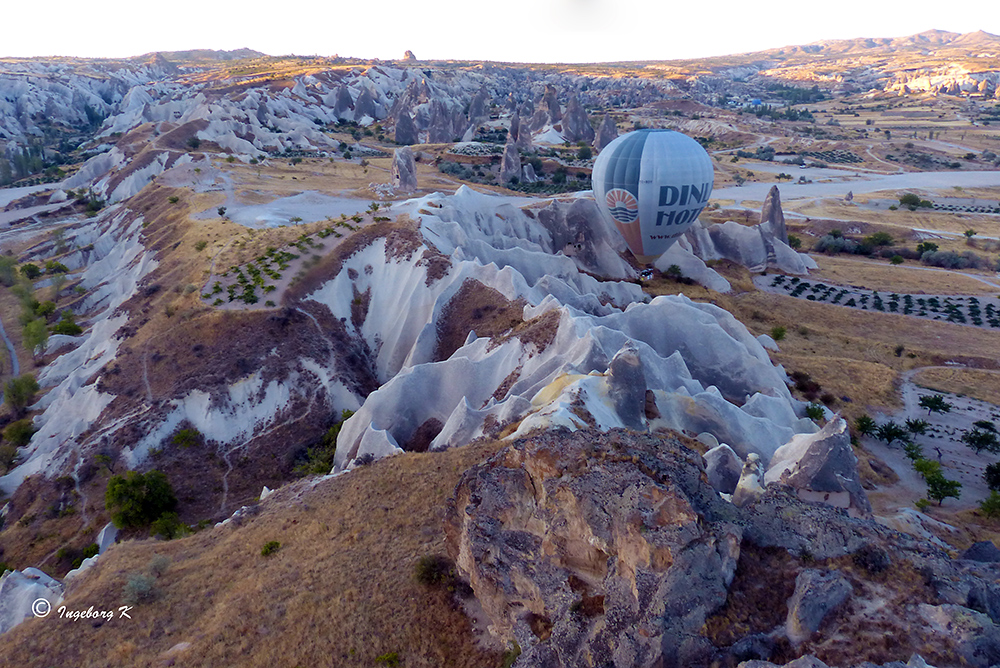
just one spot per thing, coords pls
(339, 591)
(976, 383)
(884, 277)
(902, 219)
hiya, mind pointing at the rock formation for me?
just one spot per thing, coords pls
(528, 173)
(822, 467)
(610, 549)
(404, 169)
(408, 56)
(606, 133)
(772, 218)
(755, 247)
(405, 132)
(510, 166)
(607, 546)
(850, 196)
(575, 124)
(515, 126)
(344, 103)
(817, 593)
(724, 468)
(365, 105)
(751, 482)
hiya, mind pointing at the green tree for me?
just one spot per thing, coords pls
(935, 403)
(865, 425)
(35, 336)
(926, 247)
(981, 439)
(19, 392)
(30, 271)
(891, 431)
(991, 506)
(896, 259)
(8, 270)
(969, 234)
(584, 153)
(917, 426)
(136, 499)
(940, 488)
(992, 476)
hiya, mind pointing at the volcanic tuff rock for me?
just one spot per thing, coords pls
(817, 593)
(723, 467)
(606, 133)
(772, 218)
(822, 467)
(405, 132)
(576, 126)
(510, 167)
(610, 549)
(756, 248)
(593, 548)
(404, 169)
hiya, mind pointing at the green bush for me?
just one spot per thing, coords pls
(167, 526)
(390, 659)
(815, 412)
(318, 459)
(140, 588)
(185, 438)
(45, 309)
(30, 271)
(270, 547)
(20, 392)
(173, 199)
(991, 506)
(200, 245)
(778, 332)
(136, 499)
(67, 325)
(19, 433)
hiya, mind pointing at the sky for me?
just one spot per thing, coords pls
(543, 31)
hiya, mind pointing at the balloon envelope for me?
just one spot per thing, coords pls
(651, 185)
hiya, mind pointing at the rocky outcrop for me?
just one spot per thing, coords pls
(772, 218)
(528, 173)
(404, 169)
(724, 468)
(628, 388)
(441, 128)
(515, 126)
(593, 548)
(751, 482)
(365, 105)
(822, 467)
(549, 112)
(817, 593)
(756, 247)
(408, 56)
(344, 103)
(606, 133)
(405, 132)
(984, 551)
(510, 166)
(22, 593)
(575, 124)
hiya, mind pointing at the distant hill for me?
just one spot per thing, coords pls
(202, 55)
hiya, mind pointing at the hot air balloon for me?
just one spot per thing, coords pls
(651, 185)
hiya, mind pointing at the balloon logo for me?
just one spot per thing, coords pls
(622, 206)
(650, 186)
